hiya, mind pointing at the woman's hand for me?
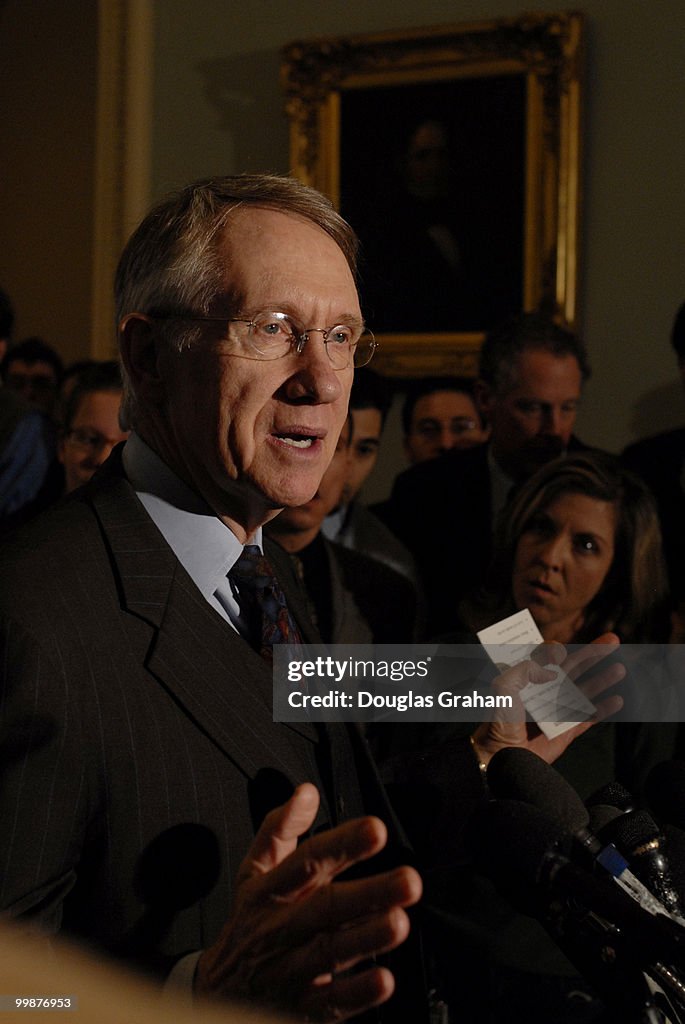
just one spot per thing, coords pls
(509, 727)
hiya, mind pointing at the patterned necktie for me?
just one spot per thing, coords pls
(262, 602)
(263, 606)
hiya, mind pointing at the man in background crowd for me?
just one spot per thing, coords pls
(91, 422)
(438, 414)
(34, 369)
(352, 524)
(370, 401)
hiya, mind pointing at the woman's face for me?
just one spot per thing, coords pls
(561, 562)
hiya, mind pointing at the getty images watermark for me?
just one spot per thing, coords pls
(397, 685)
(458, 683)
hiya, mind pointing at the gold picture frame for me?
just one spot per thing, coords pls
(509, 92)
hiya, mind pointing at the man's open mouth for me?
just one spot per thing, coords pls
(296, 440)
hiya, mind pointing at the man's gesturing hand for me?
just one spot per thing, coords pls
(292, 930)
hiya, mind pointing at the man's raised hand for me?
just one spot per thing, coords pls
(295, 931)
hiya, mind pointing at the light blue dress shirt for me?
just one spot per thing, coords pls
(206, 548)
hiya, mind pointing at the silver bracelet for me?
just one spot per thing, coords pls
(482, 767)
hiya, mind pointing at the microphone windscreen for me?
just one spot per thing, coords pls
(518, 774)
(601, 817)
(613, 795)
(665, 790)
(631, 831)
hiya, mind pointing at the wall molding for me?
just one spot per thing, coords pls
(123, 148)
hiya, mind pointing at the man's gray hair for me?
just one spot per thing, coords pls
(173, 264)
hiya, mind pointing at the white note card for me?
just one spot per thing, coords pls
(511, 641)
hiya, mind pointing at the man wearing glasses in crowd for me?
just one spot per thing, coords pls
(91, 423)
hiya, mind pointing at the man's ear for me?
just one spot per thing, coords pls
(139, 346)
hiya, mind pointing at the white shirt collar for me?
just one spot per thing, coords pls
(205, 547)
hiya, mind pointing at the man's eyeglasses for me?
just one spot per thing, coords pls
(273, 335)
(458, 427)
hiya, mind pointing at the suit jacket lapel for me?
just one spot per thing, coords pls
(219, 679)
(223, 684)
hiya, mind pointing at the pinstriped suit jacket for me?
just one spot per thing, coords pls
(138, 752)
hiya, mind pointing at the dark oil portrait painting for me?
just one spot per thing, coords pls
(455, 153)
(432, 178)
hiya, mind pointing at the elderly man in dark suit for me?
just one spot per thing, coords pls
(139, 753)
(149, 803)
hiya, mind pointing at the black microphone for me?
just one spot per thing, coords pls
(638, 837)
(601, 817)
(613, 794)
(518, 774)
(665, 789)
(521, 849)
(625, 952)
(515, 773)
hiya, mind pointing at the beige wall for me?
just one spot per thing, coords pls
(48, 70)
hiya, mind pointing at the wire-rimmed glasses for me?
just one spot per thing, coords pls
(272, 335)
